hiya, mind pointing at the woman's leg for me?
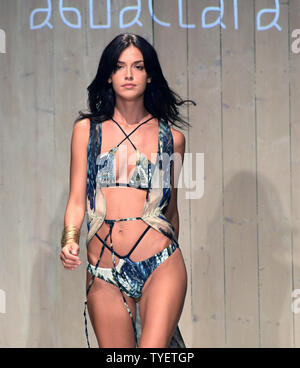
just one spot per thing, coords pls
(162, 302)
(109, 317)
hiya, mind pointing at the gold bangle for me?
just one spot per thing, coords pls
(69, 240)
(70, 234)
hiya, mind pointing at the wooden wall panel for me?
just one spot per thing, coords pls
(273, 182)
(70, 79)
(207, 281)
(294, 138)
(28, 181)
(239, 177)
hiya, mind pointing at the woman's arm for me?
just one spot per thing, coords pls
(75, 209)
(179, 149)
(76, 205)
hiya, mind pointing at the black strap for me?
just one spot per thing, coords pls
(140, 238)
(132, 249)
(117, 184)
(127, 136)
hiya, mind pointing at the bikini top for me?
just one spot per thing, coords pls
(155, 178)
(141, 177)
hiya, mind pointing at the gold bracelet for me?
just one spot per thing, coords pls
(69, 239)
(70, 234)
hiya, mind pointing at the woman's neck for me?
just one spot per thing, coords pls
(130, 112)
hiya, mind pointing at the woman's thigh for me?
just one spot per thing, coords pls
(162, 302)
(110, 319)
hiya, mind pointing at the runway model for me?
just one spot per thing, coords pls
(126, 158)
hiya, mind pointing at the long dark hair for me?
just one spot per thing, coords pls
(159, 99)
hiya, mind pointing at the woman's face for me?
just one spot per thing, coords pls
(130, 69)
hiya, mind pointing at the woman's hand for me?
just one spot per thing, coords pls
(69, 256)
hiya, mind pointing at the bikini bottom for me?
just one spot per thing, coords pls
(131, 276)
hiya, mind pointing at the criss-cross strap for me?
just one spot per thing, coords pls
(131, 250)
(127, 136)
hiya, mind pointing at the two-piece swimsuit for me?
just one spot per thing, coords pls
(130, 276)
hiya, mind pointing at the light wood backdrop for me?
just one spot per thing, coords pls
(240, 240)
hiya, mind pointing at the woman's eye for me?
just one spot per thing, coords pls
(140, 67)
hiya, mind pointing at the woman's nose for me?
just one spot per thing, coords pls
(128, 73)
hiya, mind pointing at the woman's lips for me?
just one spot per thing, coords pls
(128, 85)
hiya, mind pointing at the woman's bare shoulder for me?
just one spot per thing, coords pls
(82, 124)
(81, 131)
(179, 140)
